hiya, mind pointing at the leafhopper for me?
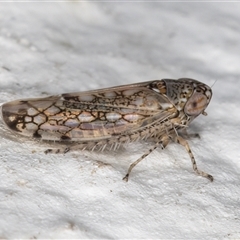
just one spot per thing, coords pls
(160, 110)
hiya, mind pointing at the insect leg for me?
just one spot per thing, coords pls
(187, 135)
(63, 150)
(162, 142)
(185, 144)
(78, 146)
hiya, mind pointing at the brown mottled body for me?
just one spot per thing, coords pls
(114, 116)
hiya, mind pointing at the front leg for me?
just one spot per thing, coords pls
(185, 144)
(187, 135)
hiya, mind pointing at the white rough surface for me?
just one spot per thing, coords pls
(49, 48)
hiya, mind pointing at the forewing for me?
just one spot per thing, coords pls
(85, 116)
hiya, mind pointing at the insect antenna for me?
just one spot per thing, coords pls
(213, 83)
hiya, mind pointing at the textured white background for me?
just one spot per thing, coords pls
(49, 48)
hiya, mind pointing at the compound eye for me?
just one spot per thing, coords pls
(196, 104)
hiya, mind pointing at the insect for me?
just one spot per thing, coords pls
(160, 110)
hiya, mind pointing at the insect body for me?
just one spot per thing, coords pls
(159, 110)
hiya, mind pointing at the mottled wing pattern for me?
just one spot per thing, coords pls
(91, 115)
